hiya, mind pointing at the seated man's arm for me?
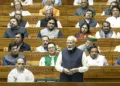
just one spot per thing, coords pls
(59, 62)
(84, 68)
(11, 77)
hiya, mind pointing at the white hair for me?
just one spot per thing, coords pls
(73, 38)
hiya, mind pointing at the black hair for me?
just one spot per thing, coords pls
(93, 46)
(88, 26)
(117, 7)
(117, 4)
(106, 22)
(52, 18)
(13, 44)
(21, 34)
(14, 18)
(53, 44)
(89, 11)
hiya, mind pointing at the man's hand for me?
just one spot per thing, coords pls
(74, 70)
(66, 71)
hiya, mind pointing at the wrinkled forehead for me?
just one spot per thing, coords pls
(20, 61)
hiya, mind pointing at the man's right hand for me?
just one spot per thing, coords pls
(66, 71)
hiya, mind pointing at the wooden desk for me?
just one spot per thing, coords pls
(94, 74)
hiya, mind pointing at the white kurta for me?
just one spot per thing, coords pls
(99, 61)
(40, 49)
(25, 76)
(114, 22)
(97, 35)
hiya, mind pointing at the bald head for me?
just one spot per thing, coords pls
(72, 38)
(20, 64)
(71, 42)
(20, 60)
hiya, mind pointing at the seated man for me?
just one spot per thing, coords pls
(114, 19)
(94, 58)
(18, 7)
(88, 19)
(11, 58)
(107, 11)
(43, 48)
(19, 41)
(83, 8)
(49, 6)
(51, 31)
(106, 31)
(49, 60)
(77, 2)
(43, 22)
(86, 47)
(55, 2)
(14, 28)
(20, 73)
(21, 21)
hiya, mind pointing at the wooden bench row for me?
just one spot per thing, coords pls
(66, 21)
(94, 74)
(32, 32)
(33, 58)
(64, 2)
(6, 9)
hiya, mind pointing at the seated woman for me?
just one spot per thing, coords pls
(19, 7)
(84, 31)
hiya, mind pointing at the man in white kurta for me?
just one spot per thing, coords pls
(94, 59)
(115, 18)
(106, 31)
(20, 74)
(70, 73)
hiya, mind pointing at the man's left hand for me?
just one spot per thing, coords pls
(74, 70)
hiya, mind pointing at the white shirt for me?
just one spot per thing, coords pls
(40, 49)
(109, 2)
(58, 23)
(24, 13)
(42, 61)
(77, 2)
(27, 25)
(25, 76)
(26, 2)
(77, 25)
(60, 68)
(118, 34)
(99, 61)
(97, 35)
(117, 48)
(115, 22)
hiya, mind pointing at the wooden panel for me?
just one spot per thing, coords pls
(94, 74)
